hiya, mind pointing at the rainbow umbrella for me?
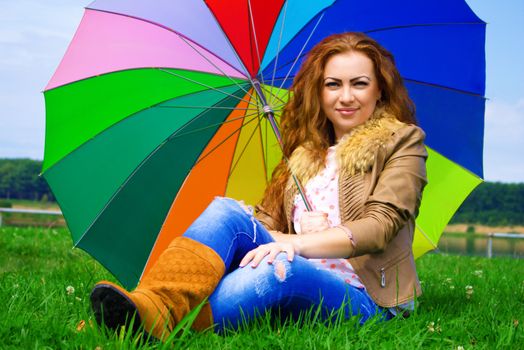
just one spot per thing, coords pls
(158, 106)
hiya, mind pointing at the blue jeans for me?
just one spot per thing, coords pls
(289, 287)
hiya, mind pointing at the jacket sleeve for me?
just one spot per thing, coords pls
(400, 176)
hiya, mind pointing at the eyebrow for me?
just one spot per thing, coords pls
(351, 80)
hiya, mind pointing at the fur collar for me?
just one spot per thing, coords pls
(355, 152)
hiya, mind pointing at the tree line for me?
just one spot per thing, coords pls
(491, 203)
(19, 179)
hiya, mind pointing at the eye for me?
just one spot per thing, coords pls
(332, 84)
(361, 83)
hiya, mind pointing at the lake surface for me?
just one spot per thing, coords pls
(477, 245)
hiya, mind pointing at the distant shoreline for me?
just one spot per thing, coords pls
(483, 229)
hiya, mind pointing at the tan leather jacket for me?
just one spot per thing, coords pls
(379, 206)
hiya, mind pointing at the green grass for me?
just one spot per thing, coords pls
(37, 312)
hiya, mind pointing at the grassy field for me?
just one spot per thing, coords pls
(469, 303)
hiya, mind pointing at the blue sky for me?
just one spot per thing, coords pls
(34, 36)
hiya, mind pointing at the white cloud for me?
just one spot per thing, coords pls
(504, 141)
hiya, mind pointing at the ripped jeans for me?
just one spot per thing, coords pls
(287, 287)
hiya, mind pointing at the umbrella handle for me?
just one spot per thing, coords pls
(268, 112)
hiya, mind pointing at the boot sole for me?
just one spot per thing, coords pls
(114, 309)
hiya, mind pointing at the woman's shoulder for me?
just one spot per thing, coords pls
(408, 134)
(407, 140)
(410, 131)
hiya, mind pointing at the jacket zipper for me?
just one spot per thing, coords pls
(382, 278)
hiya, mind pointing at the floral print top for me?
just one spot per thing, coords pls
(322, 193)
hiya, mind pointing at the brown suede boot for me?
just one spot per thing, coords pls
(185, 273)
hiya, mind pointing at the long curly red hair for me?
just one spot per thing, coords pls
(302, 121)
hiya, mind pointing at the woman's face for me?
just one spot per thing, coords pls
(350, 91)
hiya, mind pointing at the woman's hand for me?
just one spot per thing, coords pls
(271, 250)
(313, 221)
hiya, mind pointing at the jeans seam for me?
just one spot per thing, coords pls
(234, 240)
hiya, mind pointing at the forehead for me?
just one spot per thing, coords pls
(349, 65)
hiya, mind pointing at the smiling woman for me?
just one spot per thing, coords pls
(350, 93)
(349, 136)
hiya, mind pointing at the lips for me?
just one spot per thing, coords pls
(346, 111)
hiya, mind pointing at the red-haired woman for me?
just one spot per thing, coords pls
(350, 136)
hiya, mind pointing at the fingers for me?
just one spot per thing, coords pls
(247, 258)
(271, 250)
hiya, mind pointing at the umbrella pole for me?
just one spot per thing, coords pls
(269, 114)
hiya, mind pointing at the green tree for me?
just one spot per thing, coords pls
(493, 203)
(19, 179)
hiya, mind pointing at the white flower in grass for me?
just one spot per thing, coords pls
(478, 273)
(460, 347)
(434, 327)
(469, 291)
(70, 290)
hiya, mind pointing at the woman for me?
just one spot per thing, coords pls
(350, 136)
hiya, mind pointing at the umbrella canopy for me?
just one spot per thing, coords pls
(158, 106)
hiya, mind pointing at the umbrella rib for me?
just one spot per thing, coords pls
(276, 97)
(213, 125)
(278, 51)
(207, 107)
(444, 87)
(248, 75)
(426, 236)
(279, 107)
(245, 147)
(159, 146)
(204, 85)
(301, 50)
(225, 139)
(181, 133)
(230, 44)
(169, 29)
(422, 25)
(214, 65)
(252, 20)
(264, 149)
(405, 26)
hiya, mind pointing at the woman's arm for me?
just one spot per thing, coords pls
(397, 195)
(331, 243)
(395, 199)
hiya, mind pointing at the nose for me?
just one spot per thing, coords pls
(346, 95)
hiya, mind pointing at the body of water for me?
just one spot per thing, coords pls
(477, 245)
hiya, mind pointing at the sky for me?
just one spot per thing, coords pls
(34, 35)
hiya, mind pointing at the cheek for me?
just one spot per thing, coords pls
(369, 100)
(325, 99)
(324, 96)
